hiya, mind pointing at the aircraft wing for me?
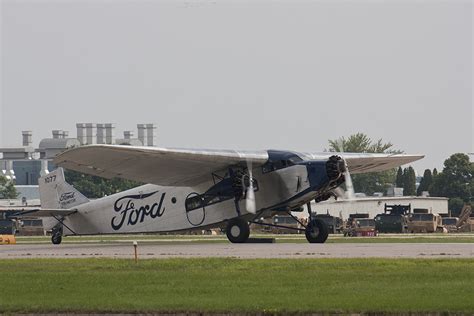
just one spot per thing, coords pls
(367, 162)
(161, 166)
(17, 212)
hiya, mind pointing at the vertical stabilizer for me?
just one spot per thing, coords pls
(56, 193)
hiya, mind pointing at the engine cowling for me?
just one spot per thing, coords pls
(335, 167)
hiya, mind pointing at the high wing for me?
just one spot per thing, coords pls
(366, 162)
(188, 167)
(18, 212)
(161, 166)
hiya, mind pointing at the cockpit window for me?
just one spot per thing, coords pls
(280, 160)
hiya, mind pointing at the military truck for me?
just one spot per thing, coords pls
(450, 223)
(359, 225)
(287, 221)
(422, 221)
(394, 219)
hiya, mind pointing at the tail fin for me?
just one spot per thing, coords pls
(56, 193)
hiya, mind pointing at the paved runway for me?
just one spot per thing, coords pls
(277, 250)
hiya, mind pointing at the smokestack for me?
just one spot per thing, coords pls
(27, 138)
(142, 133)
(100, 134)
(81, 133)
(151, 134)
(91, 133)
(109, 133)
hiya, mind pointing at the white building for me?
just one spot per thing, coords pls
(375, 205)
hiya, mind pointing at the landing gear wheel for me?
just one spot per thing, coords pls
(317, 232)
(57, 234)
(56, 239)
(237, 230)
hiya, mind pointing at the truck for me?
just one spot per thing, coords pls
(359, 225)
(394, 219)
(422, 221)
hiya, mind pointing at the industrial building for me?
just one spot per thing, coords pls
(25, 164)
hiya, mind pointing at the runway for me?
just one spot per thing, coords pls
(158, 250)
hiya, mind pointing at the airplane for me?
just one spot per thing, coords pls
(197, 189)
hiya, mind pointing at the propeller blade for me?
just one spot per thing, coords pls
(250, 200)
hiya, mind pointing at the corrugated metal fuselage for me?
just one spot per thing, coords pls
(151, 208)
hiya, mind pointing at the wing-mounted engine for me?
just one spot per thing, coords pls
(233, 185)
(325, 176)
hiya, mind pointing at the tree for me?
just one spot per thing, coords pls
(360, 143)
(399, 180)
(455, 205)
(456, 180)
(97, 187)
(7, 189)
(409, 182)
(426, 182)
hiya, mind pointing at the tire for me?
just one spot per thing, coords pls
(56, 239)
(316, 232)
(237, 230)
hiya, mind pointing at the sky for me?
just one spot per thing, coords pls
(243, 74)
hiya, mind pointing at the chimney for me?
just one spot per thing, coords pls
(142, 133)
(91, 133)
(151, 134)
(100, 133)
(57, 133)
(128, 135)
(81, 133)
(109, 133)
(27, 138)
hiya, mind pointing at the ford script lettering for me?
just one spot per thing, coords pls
(132, 212)
(67, 196)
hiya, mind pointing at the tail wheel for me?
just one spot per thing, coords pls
(237, 230)
(317, 232)
(56, 239)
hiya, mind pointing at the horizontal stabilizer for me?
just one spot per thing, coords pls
(35, 212)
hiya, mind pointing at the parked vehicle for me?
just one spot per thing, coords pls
(423, 222)
(394, 219)
(359, 225)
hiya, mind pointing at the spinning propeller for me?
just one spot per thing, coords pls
(250, 194)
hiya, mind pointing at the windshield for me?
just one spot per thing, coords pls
(422, 217)
(389, 219)
(365, 222)
(449, 221)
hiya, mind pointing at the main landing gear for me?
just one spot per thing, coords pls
(238, 231)
(316, 231)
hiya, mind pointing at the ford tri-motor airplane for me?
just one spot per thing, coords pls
(189, 189)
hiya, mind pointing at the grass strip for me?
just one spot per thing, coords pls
(230, 285)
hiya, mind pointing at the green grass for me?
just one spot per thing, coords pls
(392, 238)
(228, 285)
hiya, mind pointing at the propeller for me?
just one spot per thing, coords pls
(250, 196)
(350, 195)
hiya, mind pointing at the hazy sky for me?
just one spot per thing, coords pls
(243, 74)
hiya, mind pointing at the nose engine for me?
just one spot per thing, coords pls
(335, 168)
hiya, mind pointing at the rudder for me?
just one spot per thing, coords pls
(56, 193)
